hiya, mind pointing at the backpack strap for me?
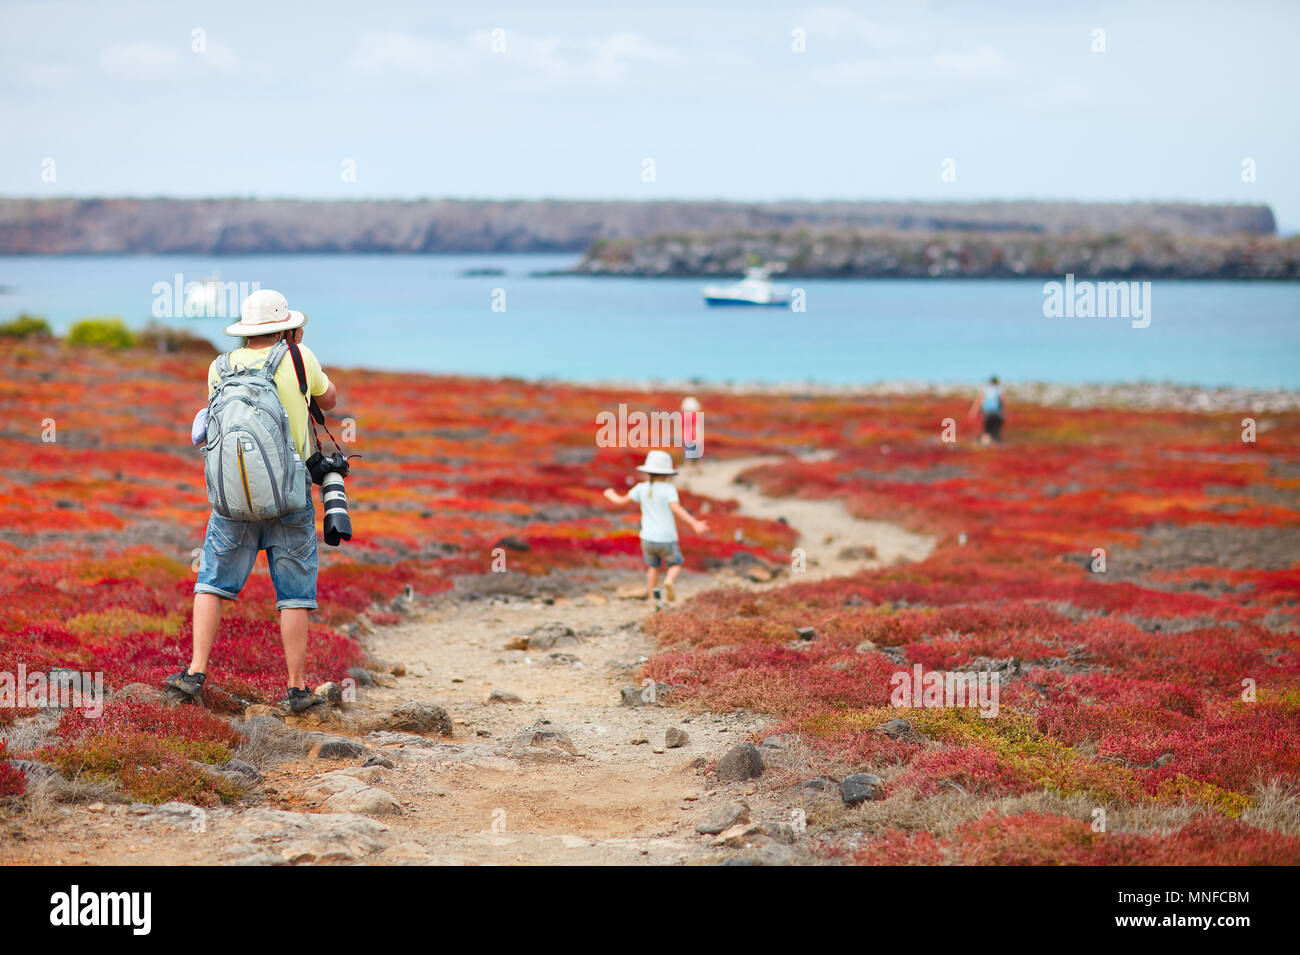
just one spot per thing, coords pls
(223, 365)
(278, 351)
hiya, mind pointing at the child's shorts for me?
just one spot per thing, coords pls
(230, 550)
(661, 552)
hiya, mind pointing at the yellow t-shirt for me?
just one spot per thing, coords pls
(286, 385)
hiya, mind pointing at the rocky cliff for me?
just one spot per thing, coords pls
(878, 254)
(235, 226)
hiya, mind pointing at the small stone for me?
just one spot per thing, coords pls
(419, 718)
(894, 728)
(723, 817)
(737, 835)
(243, 768)
(363, 676)
(675, 738)
(821, 784)
(550, 636)
(861, 787)
(782, 832)
(857, 552)
(740, 763)
(379, 760)
(544, 734)
(338, 747)
(645, 695)
(806, 633)
(364, 801)
(501, 696)
(331, 692)
(513, 543)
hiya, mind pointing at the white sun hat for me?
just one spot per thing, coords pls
(265, 312)
(657, 462)
(690, 403)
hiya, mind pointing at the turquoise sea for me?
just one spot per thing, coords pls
(419, 313)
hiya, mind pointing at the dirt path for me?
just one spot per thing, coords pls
(616, 795)
(826, 528)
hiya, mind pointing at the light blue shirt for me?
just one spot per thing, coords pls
(656, 500)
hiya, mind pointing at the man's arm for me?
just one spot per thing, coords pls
(328, 399)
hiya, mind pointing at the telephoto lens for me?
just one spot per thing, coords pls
(338, 526)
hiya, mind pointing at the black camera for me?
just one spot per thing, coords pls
(329, 472)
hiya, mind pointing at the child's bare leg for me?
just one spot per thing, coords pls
(651, 581)
(669, 579)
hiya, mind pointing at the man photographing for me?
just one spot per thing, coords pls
(255, 453)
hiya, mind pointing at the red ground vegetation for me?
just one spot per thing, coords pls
(1123, 686)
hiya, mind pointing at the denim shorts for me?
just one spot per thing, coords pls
(230, 549)
(661, 552)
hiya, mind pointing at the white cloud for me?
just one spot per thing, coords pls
(838, 23)
(138, 60)
(403, 54)
(531, 61)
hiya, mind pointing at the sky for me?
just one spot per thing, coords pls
(636, 100)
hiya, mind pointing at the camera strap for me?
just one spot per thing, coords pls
(314, 413)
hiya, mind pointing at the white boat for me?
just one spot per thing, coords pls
(755, 288)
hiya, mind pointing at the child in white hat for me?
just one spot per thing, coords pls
(658, 500)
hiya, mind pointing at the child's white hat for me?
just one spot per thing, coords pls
(657, 462)
(690, 403)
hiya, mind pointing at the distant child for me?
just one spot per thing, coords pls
(692, 433)
(658, 500)
(989, 404)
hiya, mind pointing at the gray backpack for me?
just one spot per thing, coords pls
(252, 468)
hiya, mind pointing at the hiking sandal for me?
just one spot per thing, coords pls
(191, 684)
(300, 698)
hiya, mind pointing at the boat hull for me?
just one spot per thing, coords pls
(721, 302)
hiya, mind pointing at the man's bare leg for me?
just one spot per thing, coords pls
(207, 618)
(293, 634)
